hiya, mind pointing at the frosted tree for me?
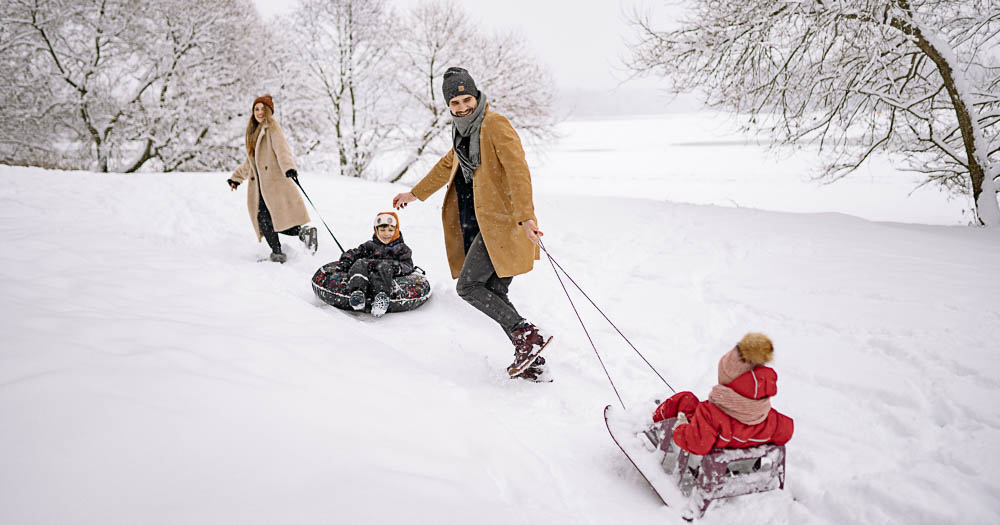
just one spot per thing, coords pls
(916, 79)
(343, 47)
(29, 108)
(206, 68)
(436, 35)
(123, 82)
(65, 50)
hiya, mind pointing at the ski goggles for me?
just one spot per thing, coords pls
(385, 220)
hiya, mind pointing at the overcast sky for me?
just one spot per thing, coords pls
(581, 41)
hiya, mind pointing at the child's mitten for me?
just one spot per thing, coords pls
(681, 420)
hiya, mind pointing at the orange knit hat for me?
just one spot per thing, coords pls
(265, 99)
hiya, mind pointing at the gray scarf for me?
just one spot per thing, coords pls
(469, 127)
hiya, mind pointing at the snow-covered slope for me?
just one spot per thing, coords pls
(152, 371)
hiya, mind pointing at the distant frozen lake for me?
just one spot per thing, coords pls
(702, 158)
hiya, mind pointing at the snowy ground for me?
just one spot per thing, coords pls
(152, 371)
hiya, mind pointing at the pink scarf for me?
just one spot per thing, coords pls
(743, 409)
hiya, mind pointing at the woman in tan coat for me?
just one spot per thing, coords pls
(272, 199)
(490, 231)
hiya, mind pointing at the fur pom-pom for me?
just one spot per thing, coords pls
(756, 348)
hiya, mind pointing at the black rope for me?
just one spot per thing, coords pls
(651, 367)
(296, 179)
(552, 262)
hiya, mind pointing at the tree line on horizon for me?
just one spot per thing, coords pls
(121, 85)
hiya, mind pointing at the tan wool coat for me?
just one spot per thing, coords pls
(267, 172)
(502, 192)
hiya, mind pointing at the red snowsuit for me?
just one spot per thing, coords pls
(709, 427)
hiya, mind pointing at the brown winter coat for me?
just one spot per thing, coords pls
(502, 191)
(273, 158)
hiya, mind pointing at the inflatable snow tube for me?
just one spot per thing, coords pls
(408, 291)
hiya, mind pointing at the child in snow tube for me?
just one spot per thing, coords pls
(372, 268)
(738, 411)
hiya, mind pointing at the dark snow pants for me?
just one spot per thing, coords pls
(374, 275)
(267, 226)
(480, 286)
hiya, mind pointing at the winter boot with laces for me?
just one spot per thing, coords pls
(528, 343)
(380, 304)
(308, 236)
(357, 300)
(537, 372)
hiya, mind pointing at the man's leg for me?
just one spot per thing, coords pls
(499, 286)
(472, 287)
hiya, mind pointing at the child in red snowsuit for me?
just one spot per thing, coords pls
(738, 411)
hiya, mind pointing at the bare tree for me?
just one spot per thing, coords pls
(915, 78)
(343, 46)
(438, 34)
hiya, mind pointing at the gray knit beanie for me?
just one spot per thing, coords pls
(457, 81)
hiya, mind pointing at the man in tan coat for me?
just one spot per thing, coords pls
(490, 229)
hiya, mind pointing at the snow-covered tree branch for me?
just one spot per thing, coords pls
(343, 47)
(916, 79)
(118, 85)
(115, 84)
(437, 34)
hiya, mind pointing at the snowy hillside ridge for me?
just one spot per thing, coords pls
(152, 371)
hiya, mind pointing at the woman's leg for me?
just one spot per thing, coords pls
(266, 226)
(306, 234)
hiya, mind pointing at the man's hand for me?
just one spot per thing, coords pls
(232, 184)
(400, 201)
(531, 230)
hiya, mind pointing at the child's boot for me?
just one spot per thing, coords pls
(357, 300)
(380, 304)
